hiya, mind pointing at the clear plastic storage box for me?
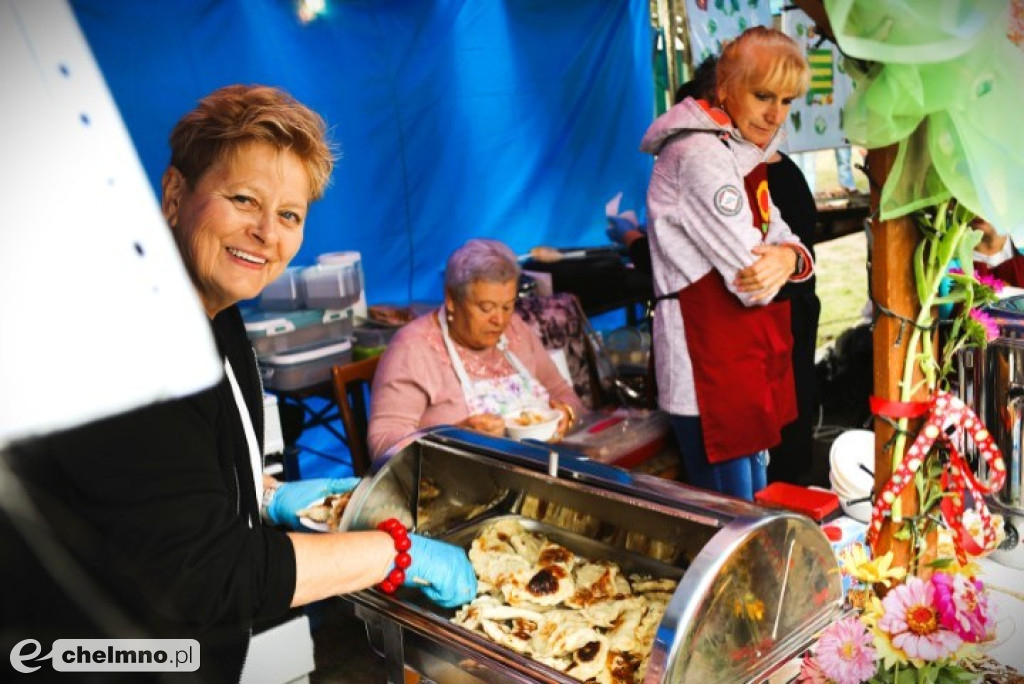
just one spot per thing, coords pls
(335, 285)
(285, 293)
(301, 369)
(624, 437)
(345, 258)
(277, 332)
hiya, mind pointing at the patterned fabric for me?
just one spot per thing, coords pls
(558, 320)
(506, 396)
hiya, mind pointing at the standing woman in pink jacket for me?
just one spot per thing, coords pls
(720, 252)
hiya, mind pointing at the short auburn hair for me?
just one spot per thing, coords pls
(235, 115)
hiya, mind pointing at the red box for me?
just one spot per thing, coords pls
(815, 503)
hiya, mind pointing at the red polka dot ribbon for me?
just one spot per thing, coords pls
(958, 479)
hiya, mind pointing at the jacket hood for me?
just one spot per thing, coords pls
(696, 116)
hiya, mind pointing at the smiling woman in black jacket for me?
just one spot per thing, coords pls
(166, 507)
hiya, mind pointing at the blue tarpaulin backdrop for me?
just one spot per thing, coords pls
(511, 119)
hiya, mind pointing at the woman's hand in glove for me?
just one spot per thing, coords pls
(441, 571)
(291, 497)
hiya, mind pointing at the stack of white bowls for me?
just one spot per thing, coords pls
(852, 462)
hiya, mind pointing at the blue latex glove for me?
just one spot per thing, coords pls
(292, 497)
(441, 571)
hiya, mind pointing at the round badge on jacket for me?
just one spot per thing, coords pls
(728, 200)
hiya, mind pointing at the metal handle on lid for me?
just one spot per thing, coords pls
(553, 463)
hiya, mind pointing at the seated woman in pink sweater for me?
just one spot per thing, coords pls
(470, 362)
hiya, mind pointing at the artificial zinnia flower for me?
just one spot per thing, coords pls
(980, 327)
(962, 605)
(911, 620)
(878, 571)
(845, 653)
(990, 281)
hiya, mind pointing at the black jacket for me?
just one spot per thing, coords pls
(159, 506)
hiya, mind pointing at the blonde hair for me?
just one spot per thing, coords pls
(235, 115)
(784, 71)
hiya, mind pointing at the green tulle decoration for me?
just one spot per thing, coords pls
(941, 79)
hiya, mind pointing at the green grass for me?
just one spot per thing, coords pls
(842, 284)
(841, 263)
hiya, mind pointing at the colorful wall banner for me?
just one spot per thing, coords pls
(815, 120)
(713, 21)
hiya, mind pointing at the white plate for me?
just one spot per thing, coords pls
(859, 511)
(841, 491)
(844, 488)
(852, 459)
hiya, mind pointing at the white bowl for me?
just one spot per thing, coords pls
(533, 423)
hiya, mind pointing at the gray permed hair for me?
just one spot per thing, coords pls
(479, 259)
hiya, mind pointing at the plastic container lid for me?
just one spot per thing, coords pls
(339, 258)
(260, 323)
(313, 354)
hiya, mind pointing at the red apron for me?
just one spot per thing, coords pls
(741, 356)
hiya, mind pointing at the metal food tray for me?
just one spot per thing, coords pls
(584, 547)
(777, 567)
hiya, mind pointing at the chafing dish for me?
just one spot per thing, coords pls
(755, 585)
(991, 381)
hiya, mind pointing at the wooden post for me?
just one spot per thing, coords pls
(892, 286)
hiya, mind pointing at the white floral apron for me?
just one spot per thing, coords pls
(503, 396)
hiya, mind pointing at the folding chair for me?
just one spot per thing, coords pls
(349, 381)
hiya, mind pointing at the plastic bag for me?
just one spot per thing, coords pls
(945, 86)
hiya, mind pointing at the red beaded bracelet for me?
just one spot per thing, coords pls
(403, 560)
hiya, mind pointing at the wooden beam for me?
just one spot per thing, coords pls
(892, 285)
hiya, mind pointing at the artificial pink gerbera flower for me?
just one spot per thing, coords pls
(962, 606)
(845, 653)
(912, 621)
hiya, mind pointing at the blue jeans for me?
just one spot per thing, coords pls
(740, 477)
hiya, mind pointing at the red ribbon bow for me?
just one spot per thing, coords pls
(958, 479)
